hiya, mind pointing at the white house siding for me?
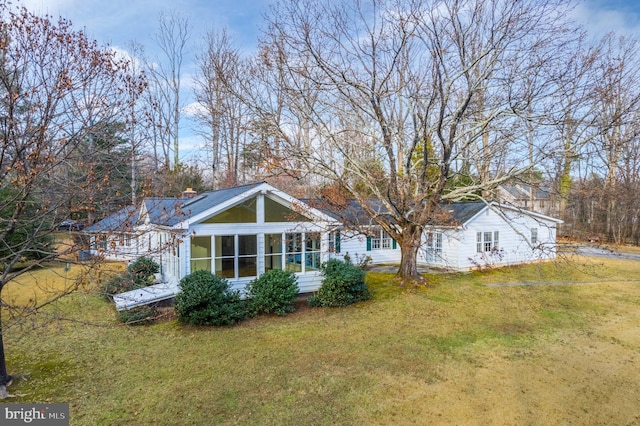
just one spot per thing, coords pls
(514, 241)
(118, 247)
(446, 258)
(459, 244)
(355, 245)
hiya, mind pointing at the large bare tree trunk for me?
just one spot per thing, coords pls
(409, 245)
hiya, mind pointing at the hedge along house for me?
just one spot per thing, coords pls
(236, 233)
(468, 235)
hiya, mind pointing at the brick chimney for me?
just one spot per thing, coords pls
(189, 193)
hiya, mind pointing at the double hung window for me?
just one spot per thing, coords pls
(381, 241)
(487, 241)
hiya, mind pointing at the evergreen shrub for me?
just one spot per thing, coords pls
(273, 292)
(138, 274)
(118, 284)
(143, 269)
(342, 285)
(138, 316)
(207, 299)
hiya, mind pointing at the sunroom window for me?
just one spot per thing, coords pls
(201, 253)
(236, 256)
(312, 251)
(272, 251)
(293, 254)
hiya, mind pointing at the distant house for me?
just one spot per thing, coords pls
(239, 233)
(529, 198)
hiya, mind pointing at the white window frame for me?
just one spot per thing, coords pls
(312, 251)
(207, 259)
(487, 241)
(303, 249)
(381, 241)
(236, 257)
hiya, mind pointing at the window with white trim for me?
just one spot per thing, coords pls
(236, 256)
(487, 241)
(201, 253)
(381, 241)
(534, 236)
(312, 251)
(302, 251)
(293, 253)
(272, 251)
(334, 242)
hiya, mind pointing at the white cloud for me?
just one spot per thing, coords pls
(47, 6)
(599, 18)
(193, 109)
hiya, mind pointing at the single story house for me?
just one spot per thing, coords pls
(241, 232)
(476, 234)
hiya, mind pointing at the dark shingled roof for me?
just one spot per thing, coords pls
(522, 192)
(462, 211)
(167, 211)
(450, 214)
(122, 221)
(171, 211)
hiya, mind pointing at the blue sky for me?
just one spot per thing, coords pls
(118, 22)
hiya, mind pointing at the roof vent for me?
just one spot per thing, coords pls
(189, 193)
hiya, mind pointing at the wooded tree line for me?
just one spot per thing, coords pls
(406, 101)
(391, 99)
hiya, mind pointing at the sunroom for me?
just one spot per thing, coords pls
(260, 230)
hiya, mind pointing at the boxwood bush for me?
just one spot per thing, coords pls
(142, 269)
(273, 292)
(118, 284)
(207, 299)
(138, 274)
(342, 285)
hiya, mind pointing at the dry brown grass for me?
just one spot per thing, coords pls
(43, 283)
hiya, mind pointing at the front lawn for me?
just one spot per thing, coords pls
(459, 352)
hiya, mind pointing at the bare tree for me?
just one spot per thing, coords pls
(573, 120)
(61, 96)
(165, 72)
(223, 116)
(137, 128)
(405, 92)
(617, 101)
